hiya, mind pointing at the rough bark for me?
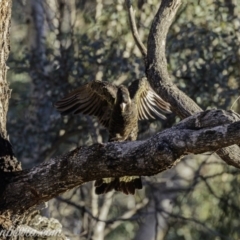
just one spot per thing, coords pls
(159, 78)
(7, 160)
(5, 16)
(205, 131)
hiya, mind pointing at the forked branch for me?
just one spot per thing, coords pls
(158, 76)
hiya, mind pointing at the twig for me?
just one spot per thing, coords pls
(134, 30)
(85, 209)
(98, 232)
(127, 215)
(234, 102)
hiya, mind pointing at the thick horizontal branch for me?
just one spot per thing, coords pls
(206, 131)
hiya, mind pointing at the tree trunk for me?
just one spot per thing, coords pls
(30, 222)
(7, 160)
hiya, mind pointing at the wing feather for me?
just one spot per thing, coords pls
(143, 107)
(146, 107)
(149, 104)
(95, 98)
(140, 114)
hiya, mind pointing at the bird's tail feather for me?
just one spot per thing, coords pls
(126, 184)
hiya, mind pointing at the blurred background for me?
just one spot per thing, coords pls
(57, 45)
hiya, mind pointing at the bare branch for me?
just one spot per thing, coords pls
(157, 71)
(31, 187)
(158, 75)
(98, 233)
(128, 215)
(134, 30)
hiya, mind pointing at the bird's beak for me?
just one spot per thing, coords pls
(123, 105)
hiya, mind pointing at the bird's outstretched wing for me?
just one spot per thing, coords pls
(95, 98)
(149, 104)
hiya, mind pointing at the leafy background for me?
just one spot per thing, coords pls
(57, 45)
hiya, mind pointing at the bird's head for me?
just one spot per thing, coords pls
(123, 98)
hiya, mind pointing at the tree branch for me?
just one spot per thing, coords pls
(156, 70)
(134, 30)
(205, 131)
(160, 80)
